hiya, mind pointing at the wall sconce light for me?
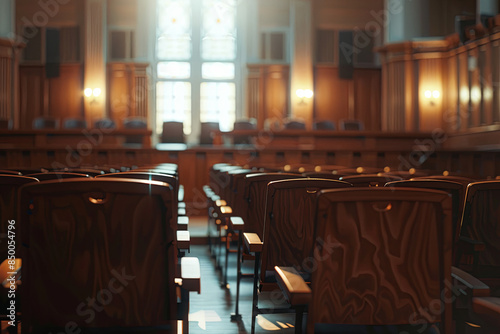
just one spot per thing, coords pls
(432, 96)
(95, 93)
(304, 94)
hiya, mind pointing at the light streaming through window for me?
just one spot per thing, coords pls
(217, 71)
(174, 70)
(211, 25)
(173, 103)
(218, 31)
(218, 104)
(174, 30)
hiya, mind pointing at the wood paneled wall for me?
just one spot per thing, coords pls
(356, 98)
(466, 77)
(60, 97)
(334, 98)
(268, 93)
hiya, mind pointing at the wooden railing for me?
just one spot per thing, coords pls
(400, 151)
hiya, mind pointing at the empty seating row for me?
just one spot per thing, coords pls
(51, 123)
(108, 239)
(397, 207)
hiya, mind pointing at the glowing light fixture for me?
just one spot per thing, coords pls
(432, 96)
(304, 94)
(92, 94)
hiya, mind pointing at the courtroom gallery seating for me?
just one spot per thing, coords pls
(287, 233)
(9, 187)
(457, 193)
(365, 278)
(57, 175)
(267, 215)
(117, 231)
(279, 221)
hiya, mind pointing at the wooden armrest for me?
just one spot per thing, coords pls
(473, 286)
(180, 194)
(182, 223)
(191, 274)
(7, 271)
(293, 285)
(236, 223)
(220, 202)
(183, 240)
(208, 191)
(181, 211)
(226, 210)
(487, 307)
(470, 245)
(252, 242)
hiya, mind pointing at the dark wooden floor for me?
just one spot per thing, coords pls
(211, 310)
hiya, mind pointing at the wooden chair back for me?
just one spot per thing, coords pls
(9, 187)
(383, 257)
(289, 223)
(57, 176)
(255, 196)
(107, 246)
(455, 189)
(481, 223)
(369, 180)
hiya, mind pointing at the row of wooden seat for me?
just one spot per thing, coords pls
(114, 238)
(285, 223)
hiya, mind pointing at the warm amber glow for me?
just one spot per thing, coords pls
(304, 93)
(473, 325)
(88, 92)
(475, 94)
(464, 95)
(436, 94)
(96, 92)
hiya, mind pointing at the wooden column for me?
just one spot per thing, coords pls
(302, 60)
(9, 80)
(128, 90)
(95, 58)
